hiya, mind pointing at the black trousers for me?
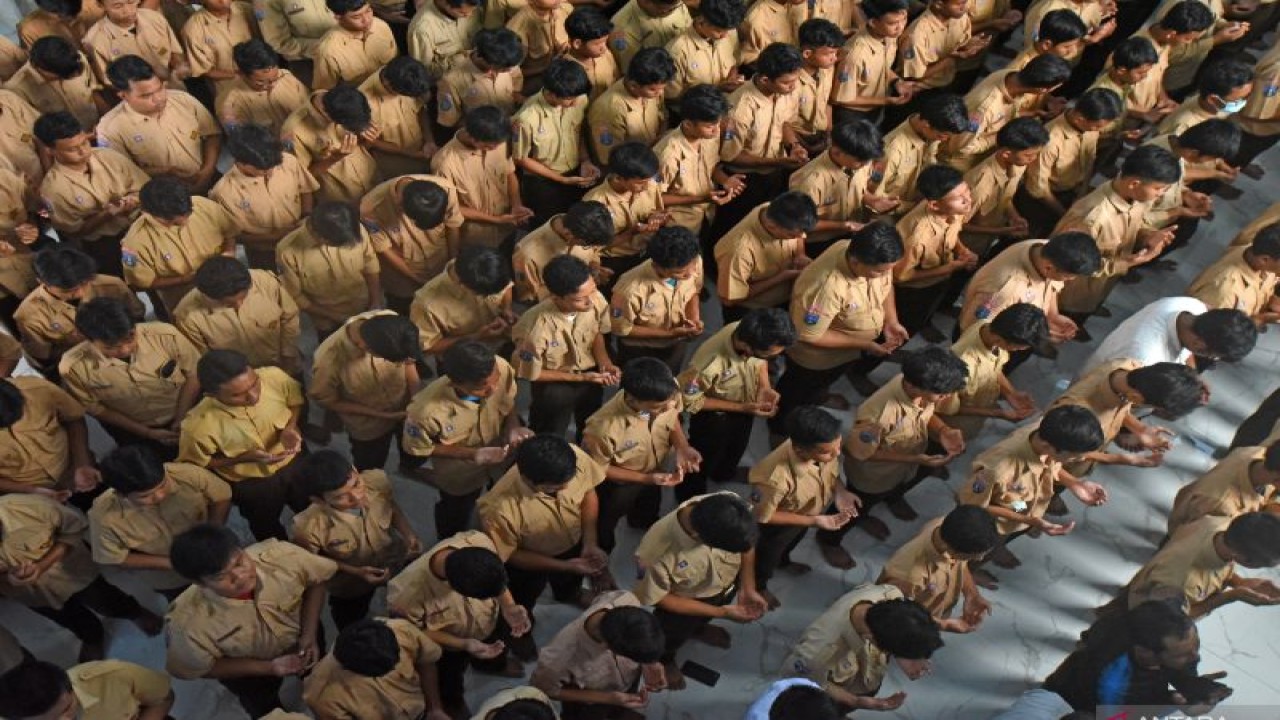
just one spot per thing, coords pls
(636, 502)
(869, 500)
(349, 610)
(773, 548)
(372, 454)
(258, 695)
(677, 628)
(105, 251)
(1251, 146)
(451, 668)
(453, 513)
(399, 303)
(77, 614)
(671, 355)
(526, 585)
(547, 197)
(800, 385)
(916, 306)
(1257, 426)
(262, 500)
(555, 404)
(122, 437)
(722, 438)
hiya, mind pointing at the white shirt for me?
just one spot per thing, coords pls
(759, 709)
(1037, 704)
(1149, 336)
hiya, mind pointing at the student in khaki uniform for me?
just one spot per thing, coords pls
(582, 231)
(766, 23)
(646, 24)
(354, 521)
(865, 81)
(1200, 150)
(49, 570)
(913, 146)
(634, 200)
(1221, 84)
(210, 36)
(932, 568)
(397, 95)
(294, 28)
(547, 143)
(692, 181)
(439, 36)
(262, 93)
(128, 30)
(172, 237)
(820, 42)
(377, 663)
(759, 137)
(46, 318)
(166, 132)
(632, 109)
(848, 648)
(517, 701)
(1245, 279)
(17, 120)
(632, 437)
(18, 234)
(414, 224)
(251, 617)
(837, 181)
(759, 260)
(330, 136)
(233, 307)
(985, 349)
(1246, 480)
(1257, 121)
(366, 372)
(470, 300)
(137, 380)
(64, 21)
(654, 306)
(329, 268)
(245, 429)
(1062, 32)
(90, 194)
(996, 101)
(357, 47)
(934, 259)
(465, 422)
(58, 78)
(589, 30)
(477, 163)
(540, 25)
(106, 688)
(267, 191)
(994, 182)
(843, 309)
(697, 564)
(490, 75)
(935, 42)
(146, 505)
(560, 347)
(46, 449)
(457, 592)
(1090, 13)
(605, 661)
(707, 52)
(795, 487)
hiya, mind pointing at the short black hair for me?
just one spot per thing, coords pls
(425, 203)
(1215, 138)
(935, 181)
(64, 8)
(703, 103)
(1099, 103)
(860, 138)
(482, 269)
(1223, 76)
(1267, 241)
(406, 76)
(32, 688)
(1022, 324)
(935, 369)
(634, 633)
(651, 66)
(468, 362)
(475, 572)
(1073, 252)
(1044, 71)
(903, 629)
(793, 211)
(128, 69)
(648, 379)
(723, 521)
(348, 107)
(51, 127)
(487, 124)
(64, 267)
(1172, 388)
(342, 7)
(806, 701)
(546, 459)
(565, 78)
(1022, 134)
(499, 48)
(335, 223)
(1187, 16)
(367, 647)
(129, 469)
(1255, 538)
(945, 112)
(876, 243)
(1153, 623)
(819, 33)
(253, 55)
(524, 709)
(391, 337)
(1134, 52)
(970, 530)
(203, 551)
(766, 328)
(1061, 26)
(590, 222)
(324, 471)
(255, 146)
(165, 197)
(674, 247)
(12, 403)
(104, 319)
(633, 160)
(218, 367)
(1150, 163)
(54, 54)
(1071, 429)
(723, 14)
(221, 277)
(810, 425)
(564, 274)
(1229, 334)
(873, 9)
(778, 59)
(586, 23)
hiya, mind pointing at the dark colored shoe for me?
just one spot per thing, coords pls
(1103, 311)
(933, 334)
(863, 385)
(837, 557)
(874, 526)
(523, 648)
(715, 636)
(1058, 507)
(90, 652)
(1229, 192)
(795, 568)
(675, 678)
(984, 579)
(148, 622)
(772, 600)
(1082, 335)
(902, 510)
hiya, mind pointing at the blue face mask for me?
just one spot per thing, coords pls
(1234, 106)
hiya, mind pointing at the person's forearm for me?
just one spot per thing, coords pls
(991, 411)
(782, 517)
(620, 474)
(454, 452)
(513, 190)
(537, 562)
(587, 697)
(546, 375)
(835, 339)
(78, 439)
(909, 274)
(227, 668)
(400, 522)
(188, 394)
(761, 286)
(537, 167)
(111, 417)
(218, 512)
(211, 148)
(747, 572)
(675, 199)
(600, 352)
(448, 641)
(373, 284)
(397, 262)
(312, 604)
(882, 455)
(143, 561)
(643, 331)
(429, 684)
(591, 520)
(710, 404)
(1198, 610)
(1004, 513)
(688, 606)
(475, 215)
(158, 711)
(9, 486)
(170, 281)
(53, 556)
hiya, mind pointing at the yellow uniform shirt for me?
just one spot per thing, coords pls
(535, 250)
(783, 481)
(601, 72)
(266, 204)
(929, 39)
(905, 155)
(425, 251)
(320, 276)
(543, 35)
(618, 435)
(265, 327)
(767, 22)
(1011, 475)
(400, 118)
(575, 659)
(815, 101)
(48, 325)
(889, 420)
(1066, 161)
(700, 61)
(171, 142)
(209, 40)
(17, 144)
(239, 104)
(1263, 107)
(425, 599)
(345, 57)
(341, 371)
(518, 517)
(294, 27)
(990, 107)
(466, 87)
(982, 390)
(1114, 224)
(929, 241)
(934, 577)
(144, 387)
(72, 197)
(617, 116)
(749, 254)
(17, 278)
(1225, 490)
(111, 689)
(1090, 11)
(213, 429)
(311, 137)
(35, 450)
(1187, 570)
(674, 562)
(445, 308)
(335, 692)
(838, 192)
(74, 95)
(481, 177)
(546, 337)
(834, 655)
(755, 123)
(1230, 283)
(1093, 390)
(550, 135)
(717, 370)
(867, 69)
(366, 538)
(634, 30)
(439, 41)
(828, 295)
(153, 251)
(33, 524)
(641, 298)
(151, 38)
(686, 167)
(993, 187)
(627, 209)
(1008, 278)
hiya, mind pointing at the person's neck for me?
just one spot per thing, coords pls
(1003, 163)
(1036, 255)
(935, 538)
(1220, 547)
(858, 619)
(75, 167)
(811, 69)
(1118, 187)
(682, 518)
(1259, 475)
(1182, 327)
(987, 336)
(1118, 382)
(767, 92)
(1205, 105)
(1251, 260)
(220, 13)
(123, 26)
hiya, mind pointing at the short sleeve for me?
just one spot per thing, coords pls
(980, 488)
(108, 548)
(656, 582)
(864, 438)
(189, 654)
(499, 528)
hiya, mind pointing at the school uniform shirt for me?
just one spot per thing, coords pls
(1146, 93)
(1093, 390)
(118, 527)
(111, 689)
(627, 209)
(30, 525)
(1187, 570)
(12, 57)
(439, 41)
(815, 101)
(35, 450)
(866, 71)
(834, 655)
(518, 517)
(1185, 60)
(446, 308)
(203, 627)
(17, 144)
(294, 27)
(209, 40)
(366, 537)
(151, 38)
(425, 251)
(266, 204)
(618, 435)
(828, 295)
(497, 13)
(783, 481)
(700, 61)
(1263, 106)
(993, 187)
(673, 562)
(755, 124)
(930, 241)
(212, 429)
(535, 250)
(634, 30)
(1066, 161)
(1188, 115)
(767, 22)
(686, 167)
(549, 134)
(170, 142)
(1270, 216)
(601, 72)
(335, 692)
(342, 371)
(719, 371)
(617, 116)
(399, 117)
(10, 348)
(466, 87)
(47, 324)
(574, 659)
(425, 599)
(39, 23)
(1230, 283)
(152, 250)
(1114, 224)
(320, 276)
(544, 36)
(888, 420)
(239, 104)
(546, 337)
(439, 415)
(927, 40)
(749, 254)
(982, 389)
(311, 137)
(905, 155)
(481, 179)
(72, 197)
(1090, 11)
(1007, 279)
(990, 107)
(1011, 475)
(641, 298)
(934, 577)
(17, 277)
(838, 192)
(74, 94)
(1224, 491)
(265, 327)
(342, 56)
(143, 387)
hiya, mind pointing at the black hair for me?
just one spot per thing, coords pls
(1150, 163)
(468, 362)
(872, 9)
(1071, 429)
(1134, 52)
(586, 23)
(218, 367)
(1099, 104)
(648, 380)
(1229, 334)
(1213, 138)
(324, 471)
(1022, 134)
(129, 469)
(406, 76)
(104, 319)
(810, 425)
(806, 701)
(651, 66)
(367, 647)
(723, 14)
(547, 459)
(935, 369)
(51, 127)
(1173, 388)
(63, 267)
(945, 112)
(336, 223)
(779, 59)
(475, 572)
(1255, 539)
(633, 160)
(634, 633)
(1267, 241)
(128, 69)
(723, 521)
(1223, 76)
(342, 7)
(482, 269)
(590, 223)
(1187, 16)
(348, 107)
(793, 211)
(32, 688)
(674, 247)
(969, 530)
(203, 551)
(766, 328)
(1061, 26)
(703, 103)
(935, 181)
(54, 54)
(425, 203)
(63, 8)
(1153, 623)
(487, 124)
(903, 629)
(221, 277)
(253, 55)
(1073, 252)
(564, 274)
(1044, 71)
(499, 48)
(255, 146)
(859, 138)
(877, 243)
(524, 709)
(12, 403)
(165, 197)
(393, 338)
(565, 78)
(1022, 324)
(819, 33)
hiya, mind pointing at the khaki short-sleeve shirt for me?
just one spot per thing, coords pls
(342, 371)
(344, 57)
(618, 435)
(934, 577)
(239, 104)
(145, 387)
(673, 562)
(546, 337)
(828, 295)
(748, 254)
(33, 524)
(73, 197)
(48, 324)
(718, 371)
(783, 481)
(834, 655)
(367, 538)
(426, 599)
(517, 517)
(340, 694)
(171, 142)
(212, 429)
(34, 450)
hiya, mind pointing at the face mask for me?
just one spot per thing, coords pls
(1234, 106)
